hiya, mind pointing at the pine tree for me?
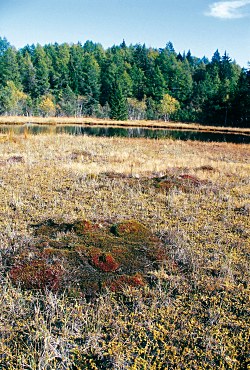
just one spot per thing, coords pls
(9, 68)
(4, 45)
(155, 83)
(67, 102)
(109, 75)
(76, 72)
(118, 103)
(216, 58)
(138, 79)
(28, 75)
(59, 67)
(41, 64)
(91, 86)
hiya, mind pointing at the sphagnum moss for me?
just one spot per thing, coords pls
(192, 314)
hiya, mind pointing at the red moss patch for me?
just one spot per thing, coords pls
(84, 226)
(37, 274)
(104, 262)
(123, 281)
(84, 256)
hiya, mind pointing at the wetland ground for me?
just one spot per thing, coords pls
(166, 219)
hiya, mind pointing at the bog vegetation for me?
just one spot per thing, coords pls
(123, 82)
(123, 253)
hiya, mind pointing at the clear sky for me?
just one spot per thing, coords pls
(199, 25)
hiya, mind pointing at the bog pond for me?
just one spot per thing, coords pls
(135, 132)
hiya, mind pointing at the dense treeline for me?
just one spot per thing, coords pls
(123, 82)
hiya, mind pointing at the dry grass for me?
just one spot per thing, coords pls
(195, 312)
(20, 120)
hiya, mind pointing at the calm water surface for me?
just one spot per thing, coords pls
(126, 132)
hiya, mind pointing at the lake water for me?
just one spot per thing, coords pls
(126, 132)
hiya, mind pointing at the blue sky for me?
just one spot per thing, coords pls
(201, 26)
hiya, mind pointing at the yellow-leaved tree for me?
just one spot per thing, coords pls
(12, 100)
(136, 108)
(168, 106)
(46, 106)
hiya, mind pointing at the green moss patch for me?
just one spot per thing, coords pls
(86, 257)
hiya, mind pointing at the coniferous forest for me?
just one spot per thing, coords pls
(123, 82)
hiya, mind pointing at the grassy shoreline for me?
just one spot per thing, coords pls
(193, 314)
(10, 120)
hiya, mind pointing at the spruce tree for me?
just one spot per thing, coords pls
(28, 75)
(4, 45)
(41, 63)
(118, 103)
(9, 68)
